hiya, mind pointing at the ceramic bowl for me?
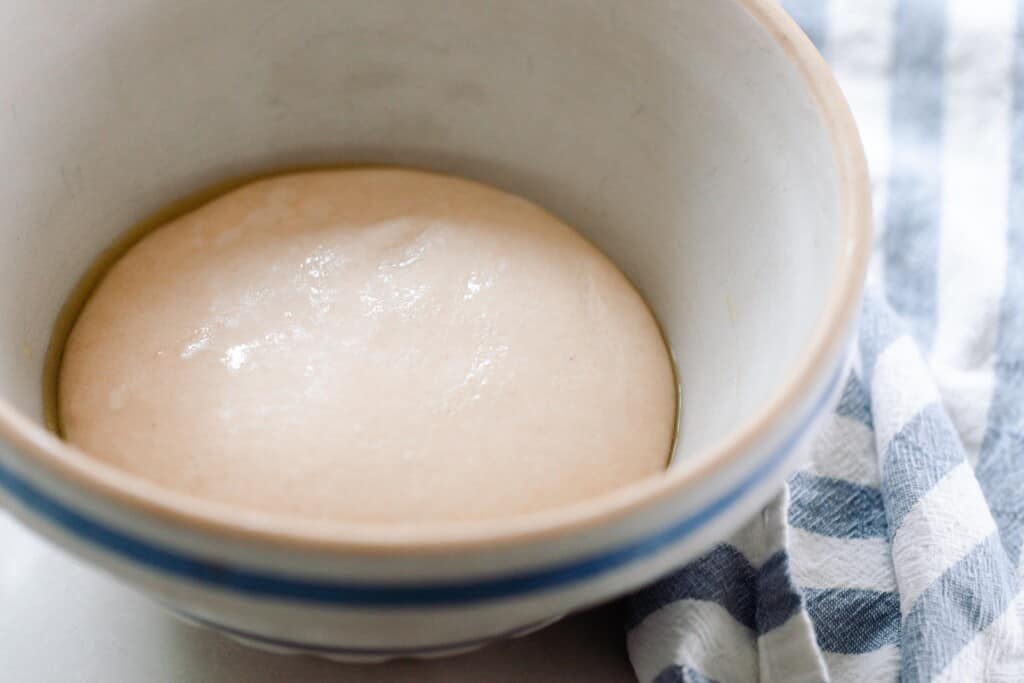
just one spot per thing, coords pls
(702, 145)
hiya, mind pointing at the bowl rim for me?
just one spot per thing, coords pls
(163, 505)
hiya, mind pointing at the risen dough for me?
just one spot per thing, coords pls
(376, 345)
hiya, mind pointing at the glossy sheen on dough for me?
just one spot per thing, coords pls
(376, 345)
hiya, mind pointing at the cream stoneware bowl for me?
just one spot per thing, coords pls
(702, 145)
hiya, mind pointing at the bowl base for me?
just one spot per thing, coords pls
(350, 654)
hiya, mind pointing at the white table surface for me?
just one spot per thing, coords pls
(62, 621)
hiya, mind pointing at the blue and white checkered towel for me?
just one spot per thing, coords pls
(896, 553)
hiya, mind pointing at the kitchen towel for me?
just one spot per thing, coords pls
(895, 554)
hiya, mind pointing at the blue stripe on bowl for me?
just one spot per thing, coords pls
(278, 586)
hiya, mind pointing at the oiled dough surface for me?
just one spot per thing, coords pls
(378, 345)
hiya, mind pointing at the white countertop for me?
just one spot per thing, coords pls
(62, 621)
